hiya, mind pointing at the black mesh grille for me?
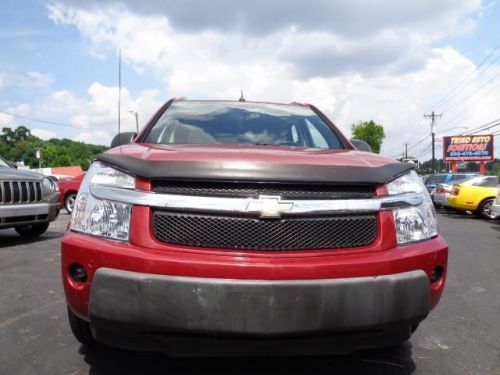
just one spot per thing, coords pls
(253, 190)
(261, 234)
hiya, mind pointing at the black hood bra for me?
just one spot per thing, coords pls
(257, 171)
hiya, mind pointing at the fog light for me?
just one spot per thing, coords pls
(78, 273)
(436, 274)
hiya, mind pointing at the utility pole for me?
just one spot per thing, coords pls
(406, 150)
(433, 116)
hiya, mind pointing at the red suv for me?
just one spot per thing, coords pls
(249, 228)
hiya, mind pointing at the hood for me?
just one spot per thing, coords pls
(253, 163)
(18, 174)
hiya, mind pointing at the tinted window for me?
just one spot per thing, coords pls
(242, 124)
(456, 177)
(436, 179)
(491, 181)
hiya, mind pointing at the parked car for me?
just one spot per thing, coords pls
(476, 195)
(68, 189)
(442, 191)
(227, 227)
(445, 178)
(28, 200)
(495, 207)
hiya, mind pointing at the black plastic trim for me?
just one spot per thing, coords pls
(257, 171)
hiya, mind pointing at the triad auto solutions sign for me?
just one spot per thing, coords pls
(468, 148)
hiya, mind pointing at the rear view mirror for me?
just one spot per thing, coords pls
(361, 145)
(123, 139)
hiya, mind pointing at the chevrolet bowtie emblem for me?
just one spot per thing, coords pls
(269, 206)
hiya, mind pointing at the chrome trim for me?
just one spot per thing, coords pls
(16, 210)
(249, 205)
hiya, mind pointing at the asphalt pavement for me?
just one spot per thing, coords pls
(461, 336)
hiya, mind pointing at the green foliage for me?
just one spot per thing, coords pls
(492, 167)
(20, 144)
(370, 132)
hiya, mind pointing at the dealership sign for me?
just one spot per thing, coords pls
(468, 148)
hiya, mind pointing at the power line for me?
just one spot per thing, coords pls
(474, 93)
(468, 128)
(53, 122)
(451, 94)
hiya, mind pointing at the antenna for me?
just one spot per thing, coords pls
(119, 88)
(241, 99)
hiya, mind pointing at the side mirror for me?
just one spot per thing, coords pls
(361, 145)
(123, 139)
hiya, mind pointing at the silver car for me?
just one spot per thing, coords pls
(28, 200)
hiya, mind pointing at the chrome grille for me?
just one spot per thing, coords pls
(16, 192)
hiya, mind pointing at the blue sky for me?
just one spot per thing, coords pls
(391, 63)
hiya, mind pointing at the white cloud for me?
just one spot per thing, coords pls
(30, 80)
(355, 61)
(37, 80)
(8, 120)
(99, 137)
(261, 17)
(43, 133)
(95, 116)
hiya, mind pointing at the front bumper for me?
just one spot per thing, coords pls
(136, 310)
(12, 215)
(257, 307)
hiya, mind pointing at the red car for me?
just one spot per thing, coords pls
(68, 190)
(249, 228)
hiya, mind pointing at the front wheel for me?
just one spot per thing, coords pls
(485, 209)
(69, 202)
(32, 230)
(80, 329)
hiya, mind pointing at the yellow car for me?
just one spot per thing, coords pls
(476, 194)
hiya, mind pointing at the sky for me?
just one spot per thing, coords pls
(389, 61)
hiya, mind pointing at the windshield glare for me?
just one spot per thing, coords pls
(4, 164)
(242, 124)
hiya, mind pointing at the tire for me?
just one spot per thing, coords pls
(80, 329)
(32, 230)
(484, 209)
(69, 202)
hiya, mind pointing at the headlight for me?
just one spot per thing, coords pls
(99, 217)
(413, 223)
(48, 186)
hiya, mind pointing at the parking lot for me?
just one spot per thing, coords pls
(461, 336)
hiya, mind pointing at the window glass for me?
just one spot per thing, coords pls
(4, 164)
(490, 181)
(317, 139)
(236, 123)
(436, 179)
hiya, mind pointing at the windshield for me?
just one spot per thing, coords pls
(3, 163)
(436, 179)
(484, 181)
(242, 124)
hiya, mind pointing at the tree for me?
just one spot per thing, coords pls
(370, 132)
(20, 144)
